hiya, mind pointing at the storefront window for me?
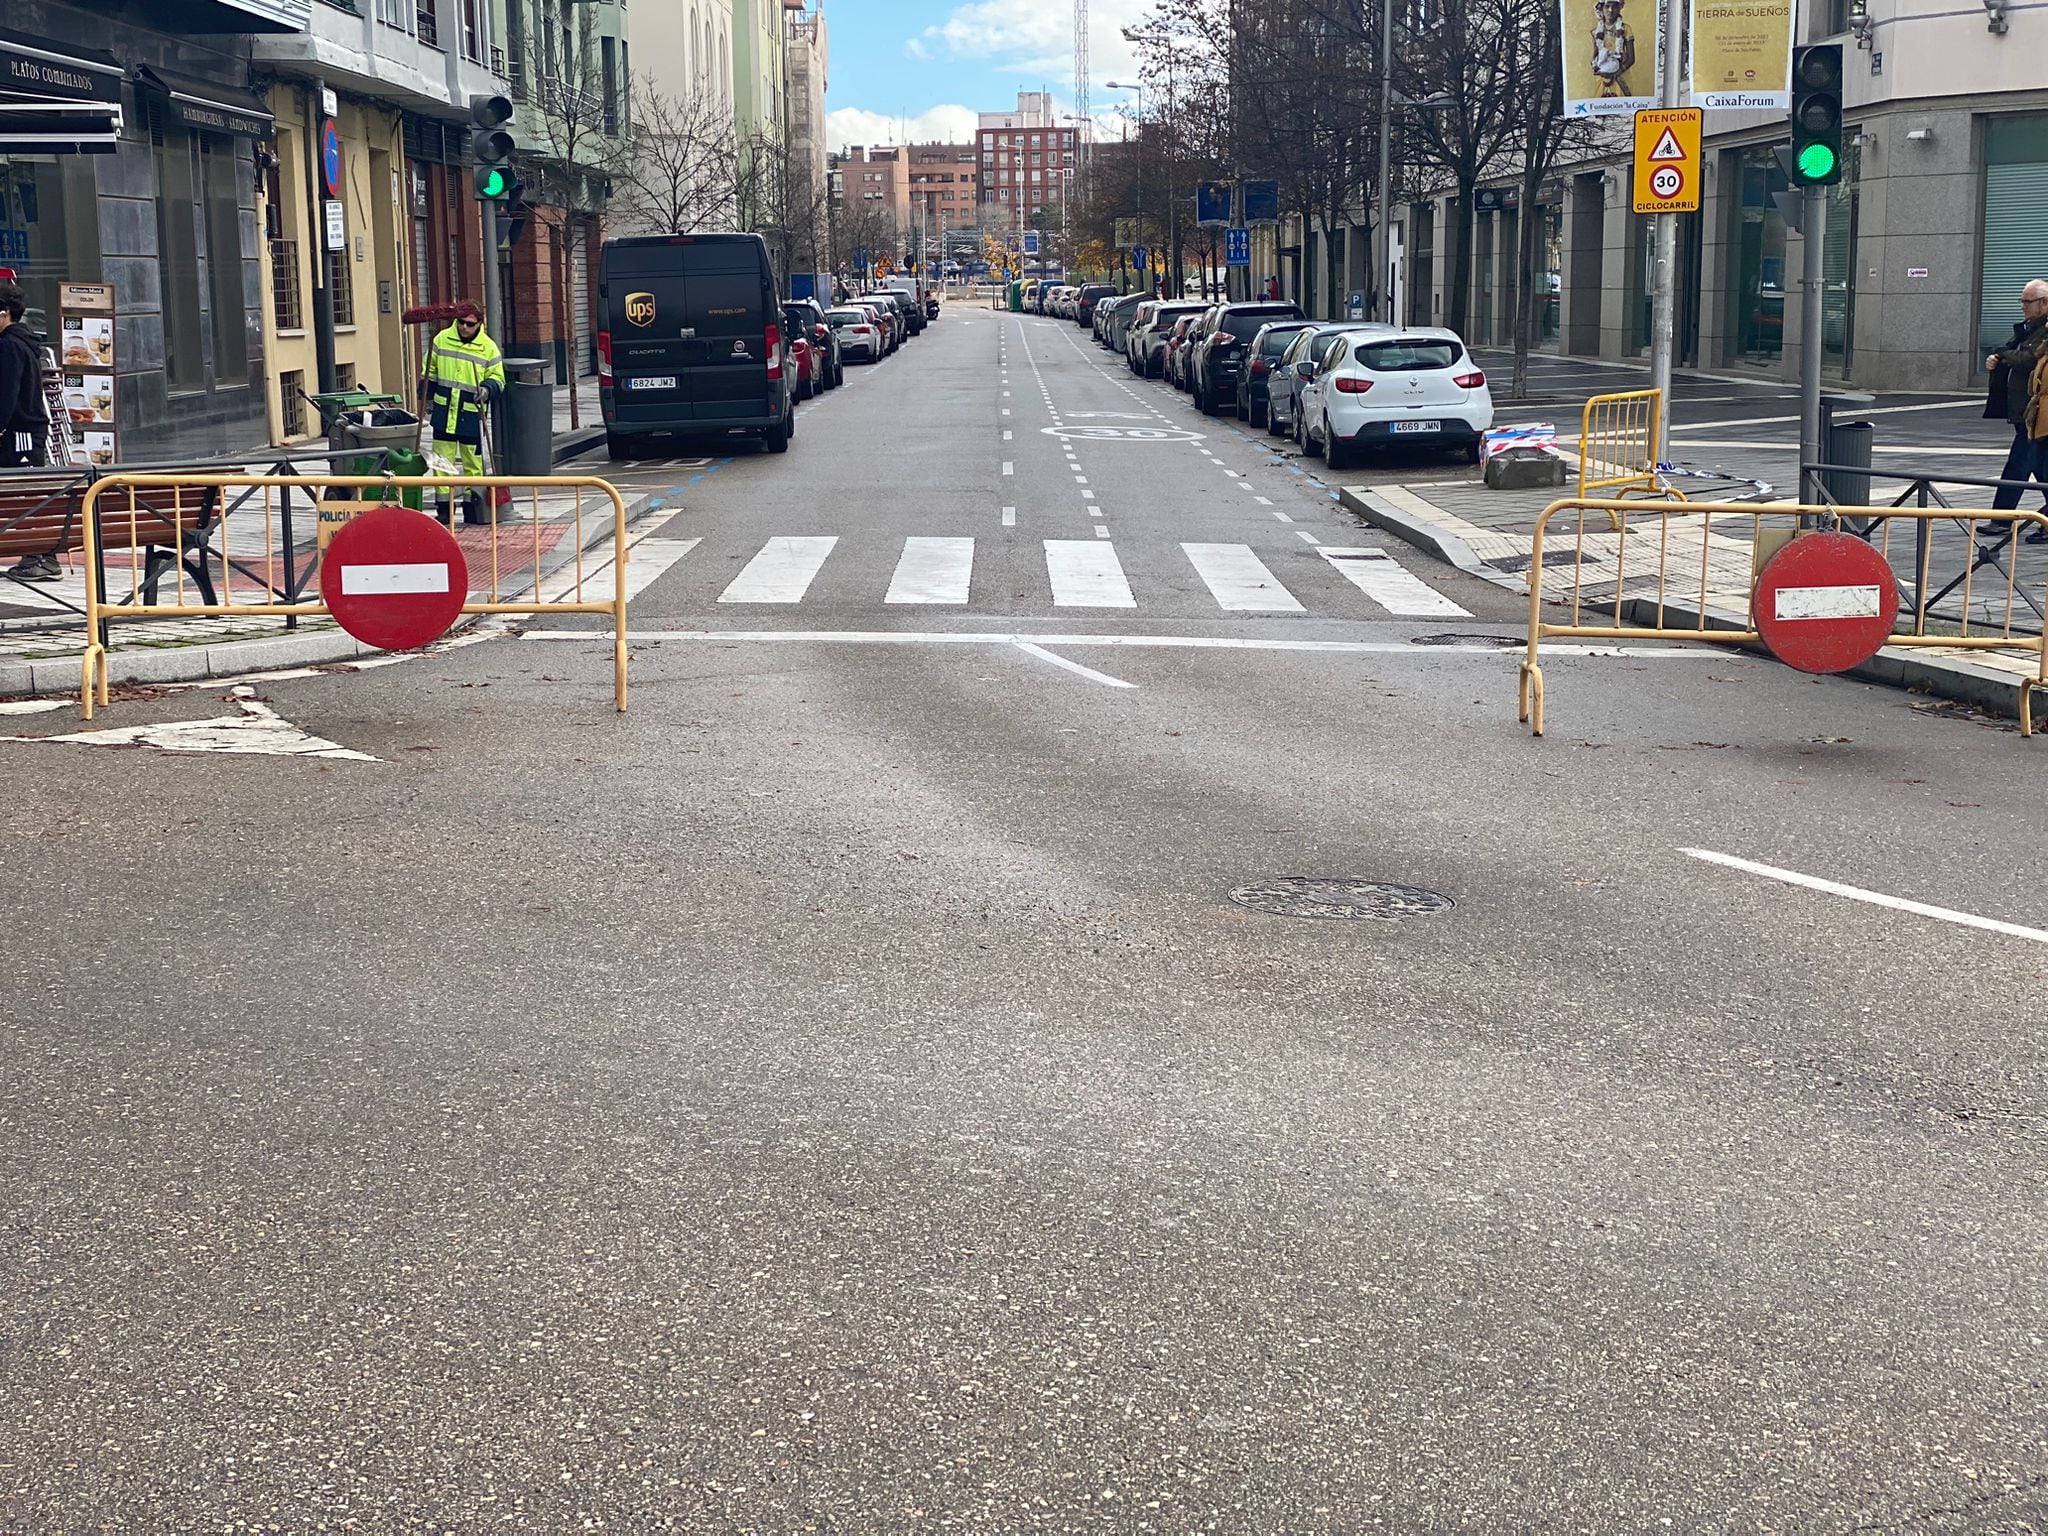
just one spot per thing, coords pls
(177, 246)
(49, 228)
(1756, 324)
(224, 264)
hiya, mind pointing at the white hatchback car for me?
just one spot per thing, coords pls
(1379, 385)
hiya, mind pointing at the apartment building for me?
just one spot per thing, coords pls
(944, 192)
(1941, 217)
(1026, 164)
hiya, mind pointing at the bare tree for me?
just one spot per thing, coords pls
(585, 150)
(776, 194)
(683, 170)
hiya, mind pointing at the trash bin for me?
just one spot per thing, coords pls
(525, 426)
(1016, 298)
(388, 428)
(1848, 445)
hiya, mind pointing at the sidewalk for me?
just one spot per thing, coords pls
(1490, 534)
(42, 637)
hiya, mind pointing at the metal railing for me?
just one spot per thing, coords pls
(2000, 552)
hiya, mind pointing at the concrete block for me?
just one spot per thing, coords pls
(1521, 469)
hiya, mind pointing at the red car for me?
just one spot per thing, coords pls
(803, 363)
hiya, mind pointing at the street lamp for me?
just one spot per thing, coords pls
(1383, 290)
(1156, 35)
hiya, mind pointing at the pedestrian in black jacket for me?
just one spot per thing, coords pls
(24, 414)
(2012, 378)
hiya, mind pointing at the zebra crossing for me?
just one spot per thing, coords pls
(938, 572)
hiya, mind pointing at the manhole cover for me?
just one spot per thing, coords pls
(1374, 901)
(1505, 642)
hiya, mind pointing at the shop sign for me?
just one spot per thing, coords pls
(38, 67)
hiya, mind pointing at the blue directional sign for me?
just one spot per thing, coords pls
(1030, 242)
(1138, 257)
(1212, 202)
(1262, 202)
(1237, 247)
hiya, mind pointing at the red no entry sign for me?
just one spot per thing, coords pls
(394, 578)
(1825, 602)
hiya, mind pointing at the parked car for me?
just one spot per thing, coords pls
(909, 320)
(1216, 361)
(1028, 295)
(906, 300)
(1296, 367)
(860, 338)
(1174, 366)
(1149, 340)
(806, 315)
(803, 361)
(1383, 384)
(885, 319)
(691, 342)
(1115, 319)
(1261, 356)
(1086, 297)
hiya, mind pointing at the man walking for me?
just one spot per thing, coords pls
(2013, 372)
(24, 411)
(464, 376)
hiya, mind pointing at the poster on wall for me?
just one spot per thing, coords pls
(86, 358)
(1610, 56)
(1742, 54)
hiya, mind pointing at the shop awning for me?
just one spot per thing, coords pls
(51, 71)
(208, 107)
(58, 127)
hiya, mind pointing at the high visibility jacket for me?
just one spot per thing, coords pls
(460, 376)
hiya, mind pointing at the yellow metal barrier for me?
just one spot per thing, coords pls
(1618, 445)
(249, 546)
(1703, 557)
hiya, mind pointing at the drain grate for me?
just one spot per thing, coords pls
(1505, 642)
(1372, 901)
(1514, 565)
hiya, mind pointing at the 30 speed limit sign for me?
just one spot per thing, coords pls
(1667, 160)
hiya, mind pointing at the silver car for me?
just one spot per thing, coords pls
(1297, 365)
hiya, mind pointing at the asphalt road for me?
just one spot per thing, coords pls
(842, 1095)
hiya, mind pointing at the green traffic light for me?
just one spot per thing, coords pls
(1816, 162)
(496, 182)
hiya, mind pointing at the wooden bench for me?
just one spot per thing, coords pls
(42, 512)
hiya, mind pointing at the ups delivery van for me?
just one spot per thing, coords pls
(692, 343)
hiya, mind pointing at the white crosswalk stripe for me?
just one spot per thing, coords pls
(782, 572)
(1239, 580)
(1383, 579)
(1081, 573)
(1086, 574)
(932, 571)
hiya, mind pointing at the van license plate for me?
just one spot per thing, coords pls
(1417, 426)
(663, 381)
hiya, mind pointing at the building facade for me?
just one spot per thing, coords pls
(1938, 222)
(944, 193)
(806, 64)
(167, 213)
(683, 93)
(1026, 165)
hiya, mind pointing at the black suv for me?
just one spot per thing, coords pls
(1218, 358)
(1086, 300)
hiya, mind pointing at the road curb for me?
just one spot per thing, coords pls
(1967, 682)
(232, 658)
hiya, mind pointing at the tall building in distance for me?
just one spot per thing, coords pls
(805, 60)
(1027, 161)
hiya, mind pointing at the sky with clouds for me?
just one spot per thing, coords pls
(911, 73)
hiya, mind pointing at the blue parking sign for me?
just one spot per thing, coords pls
(1237, 247)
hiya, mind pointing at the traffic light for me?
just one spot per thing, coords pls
(1817, 115)
(493, 147)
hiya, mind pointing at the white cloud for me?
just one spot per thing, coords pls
(936, 125)
(1035, 38)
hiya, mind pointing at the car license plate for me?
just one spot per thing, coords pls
(659, 381)
(1416, 426)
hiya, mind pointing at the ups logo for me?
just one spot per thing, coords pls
(640, 308)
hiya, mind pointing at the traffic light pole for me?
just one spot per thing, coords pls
(1664, 293)
(1812, 304)
(494, 314)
